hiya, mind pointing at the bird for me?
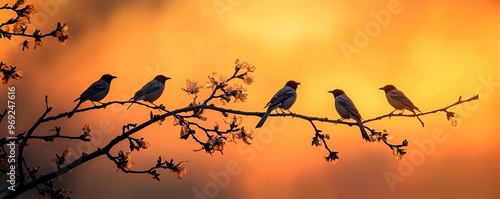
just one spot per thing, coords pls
(283, 99)
(347, 110)
(151, 91)
(398, 100)
(95, 92)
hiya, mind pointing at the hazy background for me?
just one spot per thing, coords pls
(434, 51)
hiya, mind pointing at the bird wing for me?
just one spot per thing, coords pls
(401, 97)
(347, 103)
(280, 96)
(146, 89)
(96, 87)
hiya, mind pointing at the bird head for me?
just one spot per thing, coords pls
(336, 92)
(162, 78)
(292, 84)
(387, 88)
(107, 77)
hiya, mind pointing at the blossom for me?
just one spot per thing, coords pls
(25, 44)
(8, 72)
(86, 128)
(20, 23)
(244, 65)
(214, 143)
(86, 136)
(316, 141)
(63, 192)
(191, 87)
(225, 98)
(66, 152)
(197, 112)
(398, 152)
(27, 11)
(59, 160)
(33, 172)
(61, 33)
(176, 122)
(180, 169)
(248, 78)
(217, 143)
(332, 157)
(138, 144)
(237, 91)
(245, 136)
(233, 122)
(184, 132)
(213, 82)
(142, 144)
(452, 116)
(376, 137)
(124, 160)
(38, 43)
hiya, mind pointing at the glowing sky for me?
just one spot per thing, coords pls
(434, 51)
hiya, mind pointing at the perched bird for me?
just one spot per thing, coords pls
(399, 101)
(151, 91)
(346, 109)
(95, 92)
(283, 99)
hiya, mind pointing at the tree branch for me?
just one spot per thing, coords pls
(3, 115)
(20, 157)
(215, 136)
(444, 109)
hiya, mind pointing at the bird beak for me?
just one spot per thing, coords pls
(382, 88)
(168, 78)
(330, 91)
(298, 83)
(113, 77)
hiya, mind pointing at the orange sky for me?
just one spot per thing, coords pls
(434, 51)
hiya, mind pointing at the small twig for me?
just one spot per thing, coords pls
(20, 157)
(220, 86)
(3, 115)
(444, 109)
(318, 135)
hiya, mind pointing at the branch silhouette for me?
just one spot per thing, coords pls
(212, 139)
(18, 27)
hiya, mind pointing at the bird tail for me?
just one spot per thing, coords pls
(74, 109)
(263, 118)
(421, 122)
(363, 131)
(130, 105)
